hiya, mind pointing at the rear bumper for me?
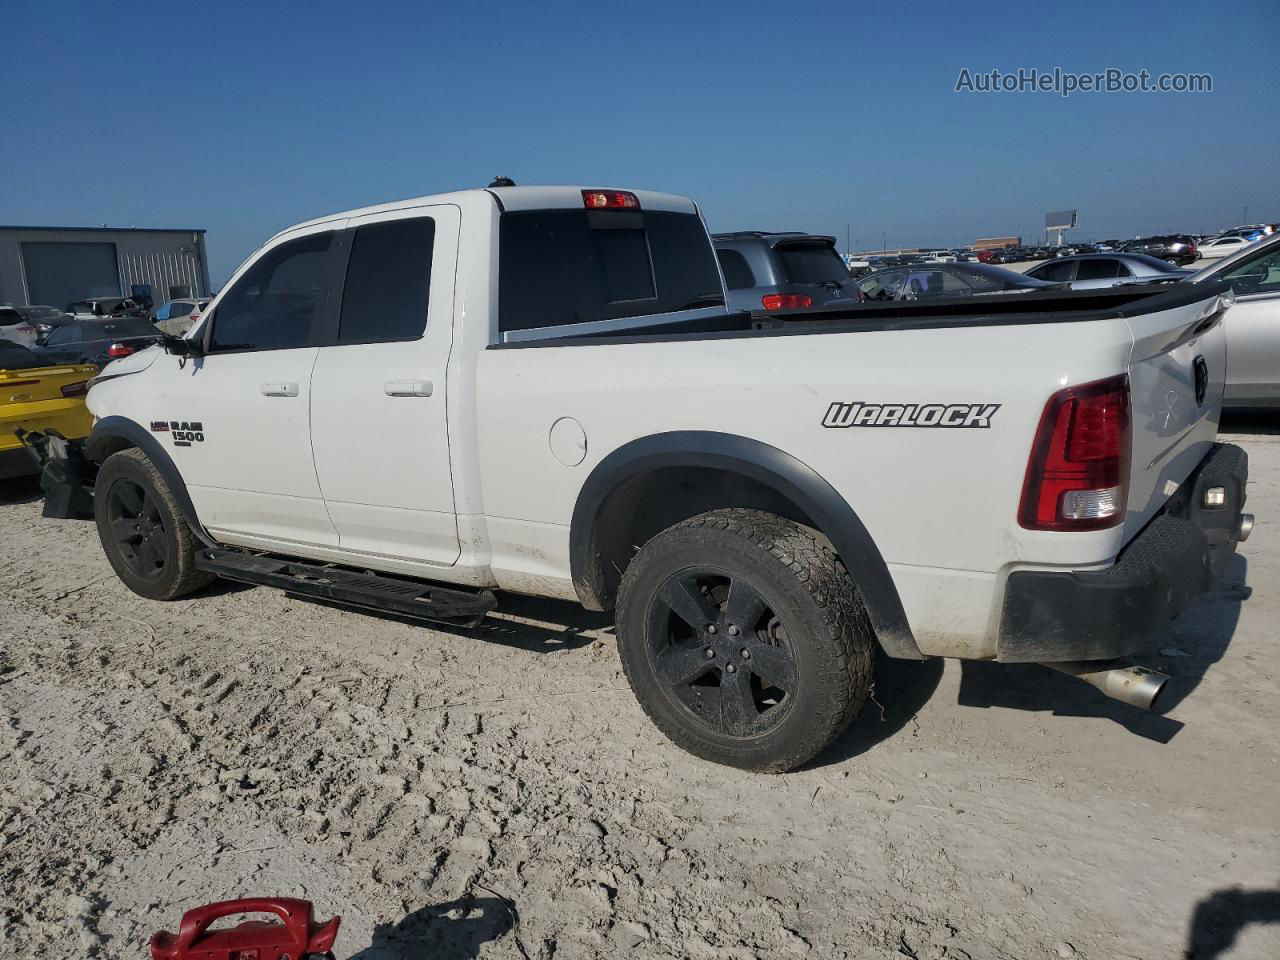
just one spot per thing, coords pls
(1051, 616)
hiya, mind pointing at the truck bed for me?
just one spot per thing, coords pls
(1072, 306)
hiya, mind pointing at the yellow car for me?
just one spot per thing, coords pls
(36, 396)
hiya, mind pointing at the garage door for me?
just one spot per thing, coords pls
(61, 273)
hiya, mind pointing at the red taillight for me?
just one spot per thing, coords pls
(1077, 477)
(610, 200)
(25, 328)
(117, 350)
(785, 301)
(75, 389)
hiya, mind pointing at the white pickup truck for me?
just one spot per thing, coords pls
(539, 390)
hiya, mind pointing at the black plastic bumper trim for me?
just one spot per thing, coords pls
(1051, 616)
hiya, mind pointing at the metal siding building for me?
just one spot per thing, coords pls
(59, 265)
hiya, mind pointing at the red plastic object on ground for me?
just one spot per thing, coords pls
(297, 938)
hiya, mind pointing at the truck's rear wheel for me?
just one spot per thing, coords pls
(143, 533)
(743, 639)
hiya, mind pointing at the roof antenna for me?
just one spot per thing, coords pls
(502, 182)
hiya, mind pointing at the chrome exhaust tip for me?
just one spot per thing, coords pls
(1246, 527)
(1137, 686)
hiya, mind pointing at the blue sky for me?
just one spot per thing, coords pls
(244, 118)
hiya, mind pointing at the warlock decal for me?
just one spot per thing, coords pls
(976, 416)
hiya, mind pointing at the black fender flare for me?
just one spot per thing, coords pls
(100, 445)
(767, 465)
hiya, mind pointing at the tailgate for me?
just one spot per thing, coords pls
(1177, 372)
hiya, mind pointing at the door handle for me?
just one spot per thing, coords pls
(407, 388)
(279, 389)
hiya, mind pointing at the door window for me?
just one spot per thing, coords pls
(388, 282)
(65, 334)
(179, 309)
(1056, 272)
(882, 286)
(1103, 269)
(277, 303)
(1255, 275)
(936, 283)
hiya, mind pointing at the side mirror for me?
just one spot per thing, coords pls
(181, 346)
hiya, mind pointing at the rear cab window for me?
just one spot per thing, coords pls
(561, 267)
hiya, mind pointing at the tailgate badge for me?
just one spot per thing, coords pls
(1201, 370)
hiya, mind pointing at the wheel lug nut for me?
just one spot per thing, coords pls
(710, 653)
(731, 668)
(711, 628)
(733, 630)
(746, 654)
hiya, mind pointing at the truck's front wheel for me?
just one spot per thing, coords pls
(743, 639)
(142, 529)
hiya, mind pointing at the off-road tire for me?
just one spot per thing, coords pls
(178, 576)
(811, 594)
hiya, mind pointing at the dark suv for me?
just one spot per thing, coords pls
(779, 271)
(1175, 247)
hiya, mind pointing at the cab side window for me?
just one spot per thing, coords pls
(277, 304)
(388, 282)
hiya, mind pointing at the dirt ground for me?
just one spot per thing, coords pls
(497, 793)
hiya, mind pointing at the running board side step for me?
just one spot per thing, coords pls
(376, 591)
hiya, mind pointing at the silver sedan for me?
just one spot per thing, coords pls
(1089, 271)
(1253, 324)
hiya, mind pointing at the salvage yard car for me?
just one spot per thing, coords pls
(540, 390)
(778, 271)
(947, 280)
(35, 396)
(178, 316)
(97, 341)
(15, 328)
(1093, 270)
(1253, 332)
(44, 318)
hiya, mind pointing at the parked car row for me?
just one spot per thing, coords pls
(75, 340)
(778, 271)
